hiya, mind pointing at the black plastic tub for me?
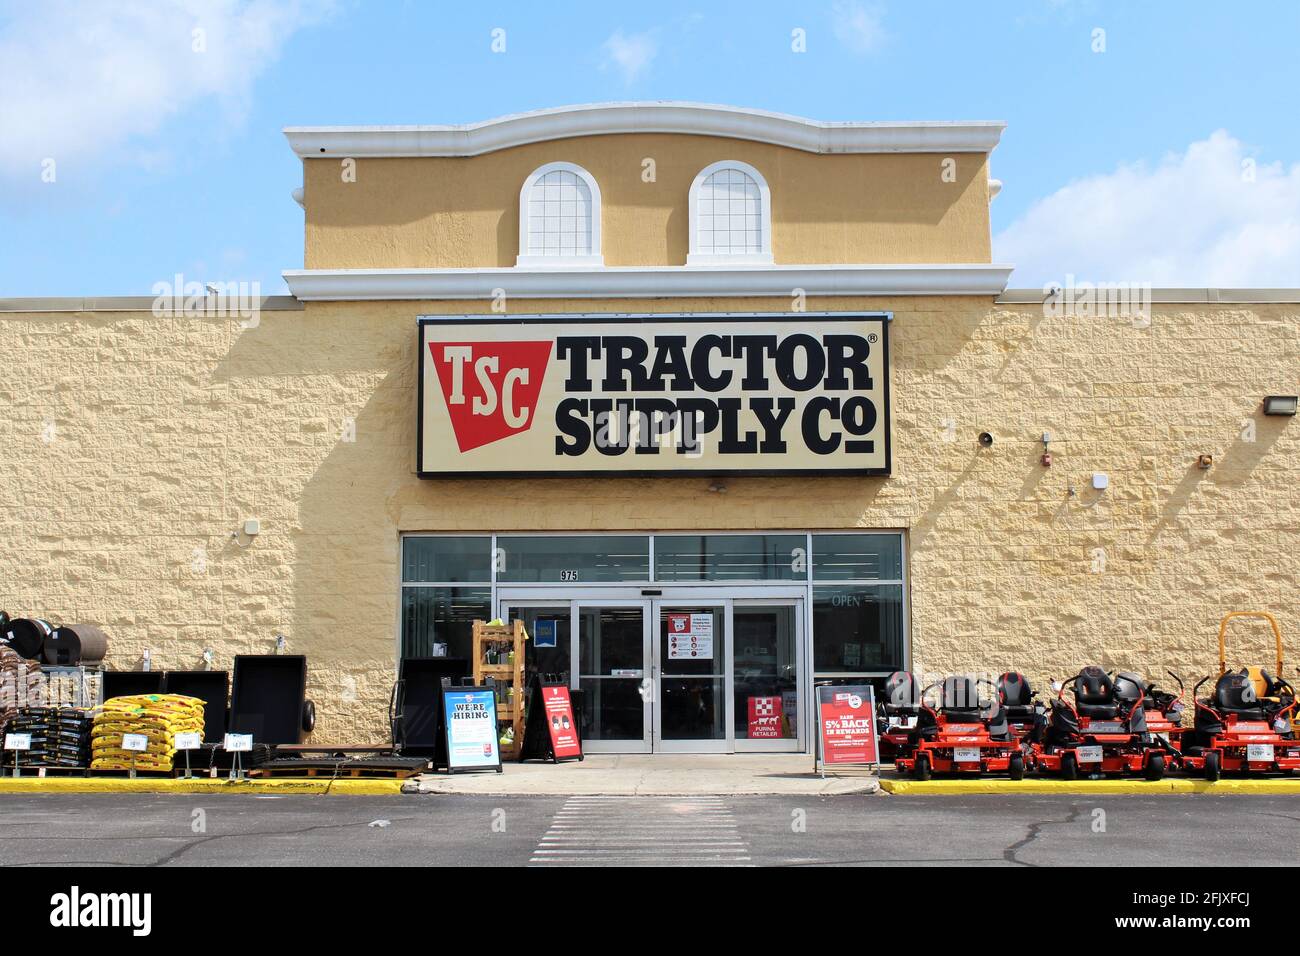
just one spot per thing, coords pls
(211, 687)
(129, 683)
(268, 698)
(417, 704)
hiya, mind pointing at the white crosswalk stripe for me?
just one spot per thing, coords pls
(642, 831)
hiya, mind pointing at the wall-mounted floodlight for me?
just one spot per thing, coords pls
(1281, 404)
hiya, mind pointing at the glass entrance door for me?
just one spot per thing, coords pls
(613, 677)
(765, 709)
(689, 672)
(692, 660)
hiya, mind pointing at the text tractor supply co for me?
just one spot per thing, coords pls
(648, 394)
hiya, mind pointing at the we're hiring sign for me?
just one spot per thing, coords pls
(645, 395)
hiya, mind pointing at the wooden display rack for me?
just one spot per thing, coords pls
(510, 708)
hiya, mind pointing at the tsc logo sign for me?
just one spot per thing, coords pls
(490, 388)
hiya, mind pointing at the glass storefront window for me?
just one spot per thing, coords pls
(442, 616)
(857, 628)
(730, 557)
(563, 559)
(857, 557)
(444, 559)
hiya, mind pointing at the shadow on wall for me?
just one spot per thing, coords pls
(326, 434)
(1234, 470)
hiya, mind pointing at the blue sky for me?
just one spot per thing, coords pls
(1171, 156)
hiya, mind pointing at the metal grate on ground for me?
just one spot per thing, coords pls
(642, 831)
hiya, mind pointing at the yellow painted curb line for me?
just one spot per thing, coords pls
(351, 787)
(954, 787)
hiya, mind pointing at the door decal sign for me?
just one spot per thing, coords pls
(690, 636)
(641, 395)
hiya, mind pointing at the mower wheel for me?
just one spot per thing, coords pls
(1211, 765)
(1155, 766)
(1069, 767)
(1016, 767)
(921, 768)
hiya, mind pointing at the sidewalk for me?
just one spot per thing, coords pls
(655, 775)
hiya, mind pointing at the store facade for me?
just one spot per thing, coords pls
(722, 403)
(680, 642)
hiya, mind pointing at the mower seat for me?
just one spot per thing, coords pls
(902, 695)
(1094, 693)
(1235, 694)
(1016, 695)
(960, 700)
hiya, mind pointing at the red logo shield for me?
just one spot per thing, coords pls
(490, 388)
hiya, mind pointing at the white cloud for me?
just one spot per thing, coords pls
(631, 54)
(84, 80)
(858, 27)
(1194, 219)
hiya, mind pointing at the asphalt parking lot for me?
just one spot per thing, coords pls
(147, 830)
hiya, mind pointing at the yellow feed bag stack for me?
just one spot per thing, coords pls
(160, 717)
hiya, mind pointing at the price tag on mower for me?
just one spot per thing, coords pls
(18, 741)
(135, 742)
(188, 741)
(1088, 754)
(966, 754)
(1256, 752)
(238, 743)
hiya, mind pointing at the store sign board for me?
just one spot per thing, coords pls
(641, 395)
(558, 708)
(471, 728)
(846, 724)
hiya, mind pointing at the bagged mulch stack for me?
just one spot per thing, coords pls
(60, 736)
(160, 717)
(21, 684)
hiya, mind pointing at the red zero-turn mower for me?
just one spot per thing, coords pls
(1025, 714)
(1103, 731)
(897, 715)
(963, 735)
(1237, 731)
(1164, 712)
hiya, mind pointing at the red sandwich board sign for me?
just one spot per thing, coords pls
(558, 710)
(846, 725)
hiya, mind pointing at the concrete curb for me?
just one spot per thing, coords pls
(955, 787)
(278, 785)
(490, 785)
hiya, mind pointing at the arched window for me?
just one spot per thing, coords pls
(559, 217)
(730, 216)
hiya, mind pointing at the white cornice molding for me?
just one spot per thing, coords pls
(599, 119)
(647, 282)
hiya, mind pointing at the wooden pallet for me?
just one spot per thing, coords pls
(505, 638)
(341, 771)
(48, 771)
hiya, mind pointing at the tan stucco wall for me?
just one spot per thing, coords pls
(167, 433)
(464, 212)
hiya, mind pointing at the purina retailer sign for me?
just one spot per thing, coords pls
(653, 395)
